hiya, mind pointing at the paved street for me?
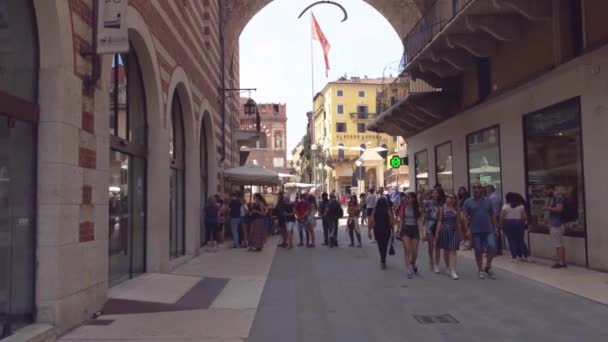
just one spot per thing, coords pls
(341, 294)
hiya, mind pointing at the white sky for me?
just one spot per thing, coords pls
(275, 53)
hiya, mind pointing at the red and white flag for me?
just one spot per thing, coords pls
(317, 34)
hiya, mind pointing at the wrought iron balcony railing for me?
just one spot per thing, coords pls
(250, 123)
(430, 24)
(363, 116)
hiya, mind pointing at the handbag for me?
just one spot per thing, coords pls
(391, 249)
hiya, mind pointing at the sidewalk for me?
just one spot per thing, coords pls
(214, 297)
(576, 280)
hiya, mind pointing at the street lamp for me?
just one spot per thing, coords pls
(250, 107)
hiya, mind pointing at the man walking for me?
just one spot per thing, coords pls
(554, 209)
(302, 208)
(370, 202)
(334, 213)
(324, 220)
(279, 212)
(482, 227)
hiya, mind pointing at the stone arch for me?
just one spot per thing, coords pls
(207, 123)
(180, 84)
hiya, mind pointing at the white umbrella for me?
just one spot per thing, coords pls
(252, 175)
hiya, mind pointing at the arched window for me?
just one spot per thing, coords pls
(127, 192)
(18, 122)
(177, 225)
(341, 151)
(278, 140)
(384, 152)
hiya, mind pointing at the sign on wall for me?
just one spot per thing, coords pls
(112, 28)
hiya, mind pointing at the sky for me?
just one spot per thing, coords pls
(275, 52)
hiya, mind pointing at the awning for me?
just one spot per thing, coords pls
(415, 113)
(252, 175)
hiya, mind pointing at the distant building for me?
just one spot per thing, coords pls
(270, 149)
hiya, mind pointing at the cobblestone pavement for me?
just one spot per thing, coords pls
(341, 294)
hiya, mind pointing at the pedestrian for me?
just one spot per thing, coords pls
(353, 223)
(441, 197)
(290, 222)
(223, 218)
(482, 227)
(259, 213)
(463, 195)
(301, 209)
(334, 213)
(513, 220)
(496, 200)
(234, 208)
(245, 222)
(431, 217)
(448, 229)
(370, 201)
(311, 223)
(383, 221)
(324, 220)
(395, 198)
(363, 208)
(554, 209)
(211, 223)
(410, 233)
(279, 213)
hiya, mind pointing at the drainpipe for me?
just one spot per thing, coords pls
(222, 79)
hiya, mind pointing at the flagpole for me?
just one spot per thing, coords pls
(312, 87)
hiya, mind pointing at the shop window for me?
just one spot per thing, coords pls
(177, 227)
(443, 164)
(421, 160)
(483, 158)
(553, 149)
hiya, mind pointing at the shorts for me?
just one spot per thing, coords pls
(484, 242)
(370, 211)
(289, 226)
(311, 222)
(557, 235)
(411, 232)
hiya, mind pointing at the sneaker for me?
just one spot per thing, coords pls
(436, 269)
(454, 276)
(410, 275)
(490, 272)
(415, 268)
(482, 275)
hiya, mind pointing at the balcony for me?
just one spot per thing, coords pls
(248, 130)
(363, 116)
(452, 34)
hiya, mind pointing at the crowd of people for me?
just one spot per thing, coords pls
(446, 222)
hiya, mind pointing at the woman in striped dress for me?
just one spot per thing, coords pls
(448, 234)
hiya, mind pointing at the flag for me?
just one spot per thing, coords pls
(318, 35)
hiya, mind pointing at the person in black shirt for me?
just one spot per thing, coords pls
(279, 213)
(324, 219)
(235, 217)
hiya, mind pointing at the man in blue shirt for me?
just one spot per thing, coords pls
(496, 201)
(554, 209)
(481, 223)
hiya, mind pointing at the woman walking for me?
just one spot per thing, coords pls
(258, 230)
(383, 220)
(290, 222)
(211, 223)
(513, 220)
(410, 233)
(447, 234)
(352, 222)
(431, 217)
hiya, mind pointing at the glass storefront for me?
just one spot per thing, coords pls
(483, 158)
(443, 167)
(127, 191)
(18, 131)
(421, 160)
(177, 229)
(553, 149)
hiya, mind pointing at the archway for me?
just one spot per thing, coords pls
(207, 151)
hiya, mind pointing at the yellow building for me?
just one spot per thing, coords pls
(342, 111)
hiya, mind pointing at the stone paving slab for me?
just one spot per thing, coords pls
(154, 287)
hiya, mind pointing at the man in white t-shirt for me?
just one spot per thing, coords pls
(370, 201)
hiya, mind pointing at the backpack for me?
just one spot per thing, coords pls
(570, 211)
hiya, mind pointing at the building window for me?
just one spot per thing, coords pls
(421, 160)
(483, 158)
(340, 93)
(395, 139)
(278, 162)
(340, 109)
(278, 140)
(443, 166)
(275, 107)
(341, 127)
(177, 227)
(553, 148)
(362, 112)
(340, 151)
(127, 191)
(361, 93)
(360, 127)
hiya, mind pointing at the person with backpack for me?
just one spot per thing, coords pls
(334, 213)
(555, 209)
(513, 220)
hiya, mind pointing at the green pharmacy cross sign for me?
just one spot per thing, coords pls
(397, 161)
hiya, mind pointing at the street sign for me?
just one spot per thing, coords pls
(397, 161)
(112, 28)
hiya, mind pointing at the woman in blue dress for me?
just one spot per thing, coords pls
(447, 235)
